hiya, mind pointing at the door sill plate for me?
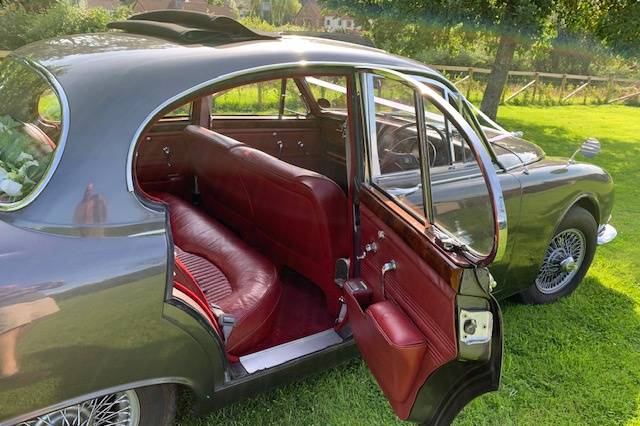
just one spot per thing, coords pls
(288, 351)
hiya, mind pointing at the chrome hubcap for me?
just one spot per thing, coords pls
(117, 409)
(562, 261)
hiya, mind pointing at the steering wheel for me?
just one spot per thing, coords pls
(413, 142)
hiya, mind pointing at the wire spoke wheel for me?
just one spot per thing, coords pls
(116, 409)
(562, 260)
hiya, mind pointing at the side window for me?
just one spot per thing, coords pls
(273, 98)
(30, 128)
(394, 156)
(458, 202)
(329, 92)
(183, 112)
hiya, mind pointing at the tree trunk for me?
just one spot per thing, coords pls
(498, 76)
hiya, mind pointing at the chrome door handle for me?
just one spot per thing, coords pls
(389, 266)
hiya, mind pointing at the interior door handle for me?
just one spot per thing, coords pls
(389, 266)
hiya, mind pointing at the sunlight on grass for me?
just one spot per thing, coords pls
(574, 362)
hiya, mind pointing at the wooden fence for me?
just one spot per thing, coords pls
(533, 86)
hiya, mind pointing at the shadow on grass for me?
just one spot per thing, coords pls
(572, 362)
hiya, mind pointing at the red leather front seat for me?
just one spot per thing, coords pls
(299, 217)
(231, 274)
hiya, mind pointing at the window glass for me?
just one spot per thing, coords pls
(260, 99)
(395, 158)
(49, 107)
(329, 92)
(30, 115)
(460, 199)
(294, 103)
(183, 111)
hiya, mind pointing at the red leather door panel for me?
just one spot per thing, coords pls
(165, 162)
(408, 330)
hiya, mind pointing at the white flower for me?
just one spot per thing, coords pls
(10, 187)
(3, 174)
(24, 156)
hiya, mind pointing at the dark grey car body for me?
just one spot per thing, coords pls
(115, 330)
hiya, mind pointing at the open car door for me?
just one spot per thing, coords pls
(419, 304)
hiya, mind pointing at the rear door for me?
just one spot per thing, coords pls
(420, 305)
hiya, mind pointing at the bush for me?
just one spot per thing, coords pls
(19, 26)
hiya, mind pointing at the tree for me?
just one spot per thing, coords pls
(284, 11)
(511, 20)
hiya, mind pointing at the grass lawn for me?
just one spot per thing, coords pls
(573, 362)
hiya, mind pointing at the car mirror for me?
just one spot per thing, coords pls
(324, 103)
(590, 148)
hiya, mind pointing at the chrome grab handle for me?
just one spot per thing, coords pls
(389, 266)
(369, 248)
(301, 146)
(167, 154)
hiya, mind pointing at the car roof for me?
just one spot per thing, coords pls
(143, 59)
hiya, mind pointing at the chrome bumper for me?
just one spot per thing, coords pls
(606, 234)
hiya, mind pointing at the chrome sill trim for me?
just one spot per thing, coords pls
(286, 352)
(606, 234)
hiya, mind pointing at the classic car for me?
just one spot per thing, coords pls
(186, 204)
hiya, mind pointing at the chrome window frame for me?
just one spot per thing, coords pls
(62, 140)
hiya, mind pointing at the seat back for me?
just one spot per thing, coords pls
(221, 189)
(299, 216)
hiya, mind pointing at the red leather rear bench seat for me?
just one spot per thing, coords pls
(231, 274)
(295, 216)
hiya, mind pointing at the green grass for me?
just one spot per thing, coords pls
(574, 362)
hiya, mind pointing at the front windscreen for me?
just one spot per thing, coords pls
(30, 128)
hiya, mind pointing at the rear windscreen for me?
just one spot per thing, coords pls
(30, 128)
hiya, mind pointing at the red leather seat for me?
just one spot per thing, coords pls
(221, 189)
(295, 216)
(299, 217)
(231, 274)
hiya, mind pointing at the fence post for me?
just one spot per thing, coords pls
(584, 99)
(504, 90)
(609, 89)
(563, 86)
(470, 83)
(536, 76)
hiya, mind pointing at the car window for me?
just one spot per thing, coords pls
(30, 117)
(329, 92)
(460, 200)
(182, 112)
(395, 158)
(273, 98)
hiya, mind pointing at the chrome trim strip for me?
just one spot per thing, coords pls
(57, 154)
(241, 73)
(425, 168)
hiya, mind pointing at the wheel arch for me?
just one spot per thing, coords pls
(589, 204)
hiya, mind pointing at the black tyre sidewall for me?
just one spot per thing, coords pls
(582, 220)
(157, 405)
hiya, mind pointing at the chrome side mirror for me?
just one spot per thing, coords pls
(590, 148)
